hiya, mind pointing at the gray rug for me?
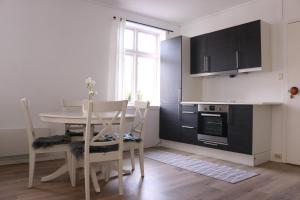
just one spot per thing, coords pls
(220, 172)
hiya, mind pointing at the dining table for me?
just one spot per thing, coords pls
(79, 118)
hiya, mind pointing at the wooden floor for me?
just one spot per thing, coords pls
(161, 182)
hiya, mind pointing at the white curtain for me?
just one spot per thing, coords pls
(116, 60)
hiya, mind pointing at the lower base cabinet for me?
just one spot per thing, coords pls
(188, 135)
(249, 129)
(240, 129)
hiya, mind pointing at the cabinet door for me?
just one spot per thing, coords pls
(221, 50)
(189, 123)
(249, 45)
(240, 128)
(170, 92)
(198, 53)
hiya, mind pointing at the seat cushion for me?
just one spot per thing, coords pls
(129, 137)
(73, 133)
(76, 134)
(77, 147)
(43, 142)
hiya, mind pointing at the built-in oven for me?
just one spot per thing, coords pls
(212, 124)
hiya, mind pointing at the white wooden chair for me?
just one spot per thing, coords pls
(134, 140)
(73, 130)
(100, 148)
(53, 148)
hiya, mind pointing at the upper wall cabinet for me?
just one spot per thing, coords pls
(238, 49)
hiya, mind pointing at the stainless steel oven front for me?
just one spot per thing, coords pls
(212, 124)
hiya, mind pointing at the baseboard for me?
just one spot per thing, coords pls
(244, 159)
(262, 157)
(10, 160)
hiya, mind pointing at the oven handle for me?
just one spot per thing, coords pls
(187, 112)
(210, 115)
(189, 127)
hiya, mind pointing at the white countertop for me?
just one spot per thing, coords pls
(262, 103)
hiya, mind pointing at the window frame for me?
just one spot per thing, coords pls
(136, 54)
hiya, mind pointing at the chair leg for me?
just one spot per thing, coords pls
(32, 156)
(94, 179)
(141, 158)
(107, 170)
(87, 180)
(120, 175)
(72, 168)
(132, 158)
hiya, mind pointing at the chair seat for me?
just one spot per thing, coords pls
(76, 134)
(77, 147)
(129, 137)
(44, 142)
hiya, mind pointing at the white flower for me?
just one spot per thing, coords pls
(88, 80)
(90, 83)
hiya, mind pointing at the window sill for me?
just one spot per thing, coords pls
(131, 107)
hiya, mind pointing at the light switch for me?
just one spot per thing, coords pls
(280, 76)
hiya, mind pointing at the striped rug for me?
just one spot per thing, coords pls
(220, 172)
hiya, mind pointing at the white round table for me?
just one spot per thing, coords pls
(77, 118)
(73, 118)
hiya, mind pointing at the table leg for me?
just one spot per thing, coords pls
(60, 171)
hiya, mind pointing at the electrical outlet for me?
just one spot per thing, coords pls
(278, 156)
(280, 76)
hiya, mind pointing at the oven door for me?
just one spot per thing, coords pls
(212, 126)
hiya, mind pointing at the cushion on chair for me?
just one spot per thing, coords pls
(76, 134)
(43, 142)
(73, 133)
(129, 137)
(77, 147)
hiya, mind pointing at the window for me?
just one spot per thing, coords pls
(141, 76)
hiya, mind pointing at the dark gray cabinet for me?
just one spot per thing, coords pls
(199, 55)
(240, 126)
(221, 50)
(189, 123)
(170, 89)
(249, 45)
(228, 50)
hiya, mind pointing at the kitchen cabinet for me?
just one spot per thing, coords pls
(240, 122)
(170, 89)
(175, 85)
(221, 51)
(189, 123)
(249, 45)
(238, 49)
(198, 54)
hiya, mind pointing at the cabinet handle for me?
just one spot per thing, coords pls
(187, 112)
(188, 127)
(207, 63)
(179, 95)
(229, 119)
(237, 59)
(204, 63)
(210, 143)
(210, 115)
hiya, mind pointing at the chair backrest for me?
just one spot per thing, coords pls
(28, 120)
(141, 112)
(72, 105)
(107, 113)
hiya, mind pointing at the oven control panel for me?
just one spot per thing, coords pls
(213, 108)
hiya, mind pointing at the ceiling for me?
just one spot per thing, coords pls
(176, 11)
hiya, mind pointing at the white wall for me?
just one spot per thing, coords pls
(48, 48)
(257, 86)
